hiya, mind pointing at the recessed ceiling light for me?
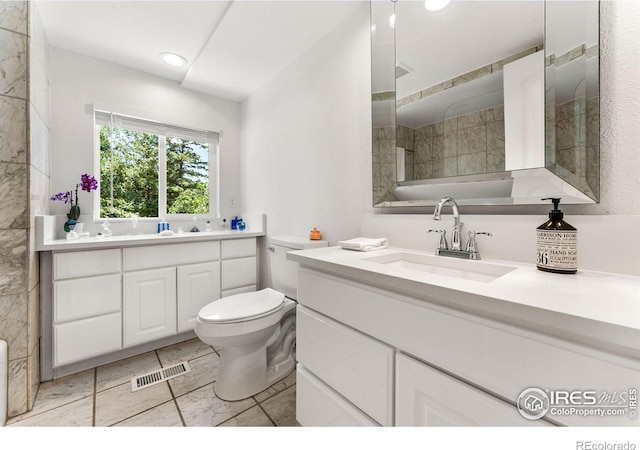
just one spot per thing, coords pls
(435, 5)
(173, 59)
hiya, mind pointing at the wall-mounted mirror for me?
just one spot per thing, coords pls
(489, 102)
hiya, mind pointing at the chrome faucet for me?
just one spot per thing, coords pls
(456, 241)
(456, 251)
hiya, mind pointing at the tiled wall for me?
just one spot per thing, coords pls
(384, 163)
(468, 144)
(24, 181)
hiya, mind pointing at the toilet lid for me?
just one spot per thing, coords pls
(242, 306)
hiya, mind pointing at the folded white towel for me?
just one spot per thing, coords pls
(364, 244)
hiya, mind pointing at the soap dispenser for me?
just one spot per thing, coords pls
(557, 243)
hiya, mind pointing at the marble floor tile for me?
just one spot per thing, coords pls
(183, 351)
(120, 372)
(201, 408)
(280, 386)
(53, 394)
(119, 403)
(281, 408)
(253, 417)
(74, 414)
(165, 415)
(203, 371)
(188, 400)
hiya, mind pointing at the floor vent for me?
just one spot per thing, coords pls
(159, 376)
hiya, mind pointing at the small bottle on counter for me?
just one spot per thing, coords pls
(557, 243)
(240, 225)
(194, 228)
(162, 225)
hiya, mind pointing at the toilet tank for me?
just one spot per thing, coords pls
(284, 273)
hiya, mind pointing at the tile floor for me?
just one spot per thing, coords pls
(102, 397)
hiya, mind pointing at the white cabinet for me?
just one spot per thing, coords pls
(86, 305)
(239, 266)
(149, 305)
(98, 302)
(198, 285)
(428, 397)
(465, 369)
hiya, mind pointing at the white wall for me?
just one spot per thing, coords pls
(78, 81)
(306, 156)
(306, 139)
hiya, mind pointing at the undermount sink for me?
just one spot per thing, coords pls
(440, 265)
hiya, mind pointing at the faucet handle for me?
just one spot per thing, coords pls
(472, 245)
(442, 245)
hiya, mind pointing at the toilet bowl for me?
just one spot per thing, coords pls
(255, 331)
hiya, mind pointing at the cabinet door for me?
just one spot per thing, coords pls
(149, 305)
(428, 397)
(198, 285)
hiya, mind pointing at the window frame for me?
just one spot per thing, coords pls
(213, 171)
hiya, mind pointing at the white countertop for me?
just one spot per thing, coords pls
(141, 239)
(594, 308)
(46, 239)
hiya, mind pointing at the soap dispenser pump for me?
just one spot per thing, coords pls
(557, 249)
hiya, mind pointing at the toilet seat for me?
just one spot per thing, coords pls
(242, 307)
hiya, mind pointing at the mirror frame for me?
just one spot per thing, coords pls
(513, 187)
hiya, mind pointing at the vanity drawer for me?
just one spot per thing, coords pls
(317, 405)
(86, 297)
(426, 397)
(137, 258)
(238, 248)
(82, 339)
(237, 273)
(80, 264)
(357, 367)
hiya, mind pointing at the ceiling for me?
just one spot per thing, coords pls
(232, 47)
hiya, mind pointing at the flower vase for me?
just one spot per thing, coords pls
(72, 218)
(72, 234)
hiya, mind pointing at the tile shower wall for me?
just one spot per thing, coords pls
(384, 163)
(468, 144)
(24, 180)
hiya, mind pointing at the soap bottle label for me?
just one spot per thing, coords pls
(558, 250)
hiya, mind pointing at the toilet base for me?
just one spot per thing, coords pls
(231, 394)
(247, 370)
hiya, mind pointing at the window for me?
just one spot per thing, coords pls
(154, 169)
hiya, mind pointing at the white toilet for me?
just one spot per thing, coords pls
(255, 331)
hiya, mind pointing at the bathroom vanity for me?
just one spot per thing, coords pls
(399, 337)
(106, 299)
